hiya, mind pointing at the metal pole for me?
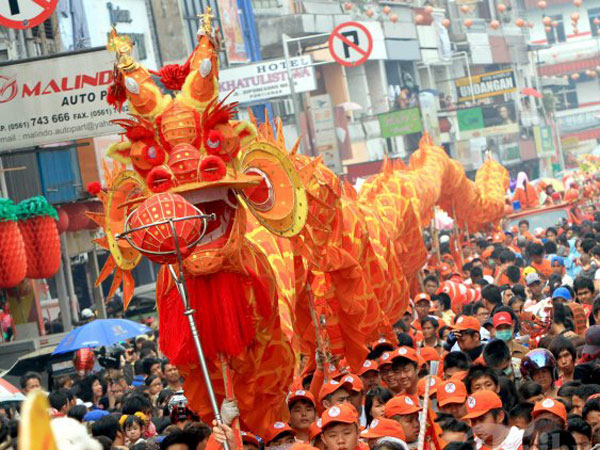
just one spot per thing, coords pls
(286, 54)
(63, 298)
(189, 312)
(97, 291)
(469, 75)
(69, 277)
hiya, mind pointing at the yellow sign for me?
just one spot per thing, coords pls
(569, 142)
(35, 432)
(486, 85)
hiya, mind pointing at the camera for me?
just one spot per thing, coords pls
(110, 357)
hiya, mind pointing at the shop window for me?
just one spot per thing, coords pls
(566, 96)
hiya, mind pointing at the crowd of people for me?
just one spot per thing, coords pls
(508, 340)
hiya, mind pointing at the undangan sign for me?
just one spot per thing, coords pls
(486, 85)
(56, 99)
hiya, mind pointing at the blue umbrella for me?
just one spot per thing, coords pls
(100, 332)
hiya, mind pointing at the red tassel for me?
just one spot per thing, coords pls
(94, 187)
(223, 317)
(173, 75)
(116, 96)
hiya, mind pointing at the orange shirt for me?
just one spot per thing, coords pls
(528, 197)
(545, 268)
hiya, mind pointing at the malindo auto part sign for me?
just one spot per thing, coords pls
(56, 99)
(486, 85)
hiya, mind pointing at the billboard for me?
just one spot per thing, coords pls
(56, 99)
(486, 85)
(231, 25)
(266, 79)
(400, 122)
(488, 120)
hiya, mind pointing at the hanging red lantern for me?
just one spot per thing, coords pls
(348, 6)
(386, 10)
(520, 22)
(468, 23)
(428, 9)
(501, 7)
(419, 19)
(393, 18)
(446, 23)
(93, 207)
(577, 3)
(369, 12)
(63, 220)
(77, 218)
(37, 222)
(13, 259)
(541, 4)
(464, 9)
(157, 242)
(494, 24)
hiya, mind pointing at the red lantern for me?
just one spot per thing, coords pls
(13, 259)
(468, 23)
(501, 7)
(494, 24)
(428, 9)
(77, 218)
(369, 12)
(419, 19)
(393, 18)
(386, 10)
(464, 9)
(93, 207)
(63, 220)
(577, 3)
(37, 223)
(157, 242)
(520, 22)
(541, 4)
(348, 6)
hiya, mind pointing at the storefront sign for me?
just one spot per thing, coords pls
(544, 143)
(325, 138)
(580, 119)
(398, 123)
(267, 79)
(56, 99)
(486, 85)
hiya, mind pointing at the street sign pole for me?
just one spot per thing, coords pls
(295, 102)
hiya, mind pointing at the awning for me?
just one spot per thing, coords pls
(570, 67)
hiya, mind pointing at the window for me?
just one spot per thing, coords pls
(557, 34)
(594, 14)
(566, 96)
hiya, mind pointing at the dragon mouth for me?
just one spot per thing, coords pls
(221, 202)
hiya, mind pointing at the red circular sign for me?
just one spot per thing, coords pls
(350, 44)
(23, 14)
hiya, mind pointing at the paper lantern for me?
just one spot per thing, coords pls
(157, 242)
(577, 3)
(494, 24)
(37, 223)
(575, 77)
(63, 220)
(77, 218)
(393, 18)
(520, 22)
(547, 21)
(428, 9)
(419, 19)
(541, 4)
(386, 9)
(464, 9)
(468, 23)
(13, 259)
(369, 12)
(446, 23)
(501, 7)
(93, 207)
(348, 6)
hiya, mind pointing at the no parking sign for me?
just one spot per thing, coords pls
(23, 14)
(350, 44)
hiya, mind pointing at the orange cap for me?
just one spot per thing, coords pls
(422, 297)
(382, 341)
(408, 353)
(429, 354)
(344, 413)
(435, 381)
(552, 406)
(445, 269)
(277, 429)
(401, 405)
(301, 394)
(355, 381)
(331, 386)
(367, 366)
(482, 402)
(386, 358)
(314, 430)
(451, 391)
(498, 238)
(464, 323)
(383, 427)
(250, 438)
